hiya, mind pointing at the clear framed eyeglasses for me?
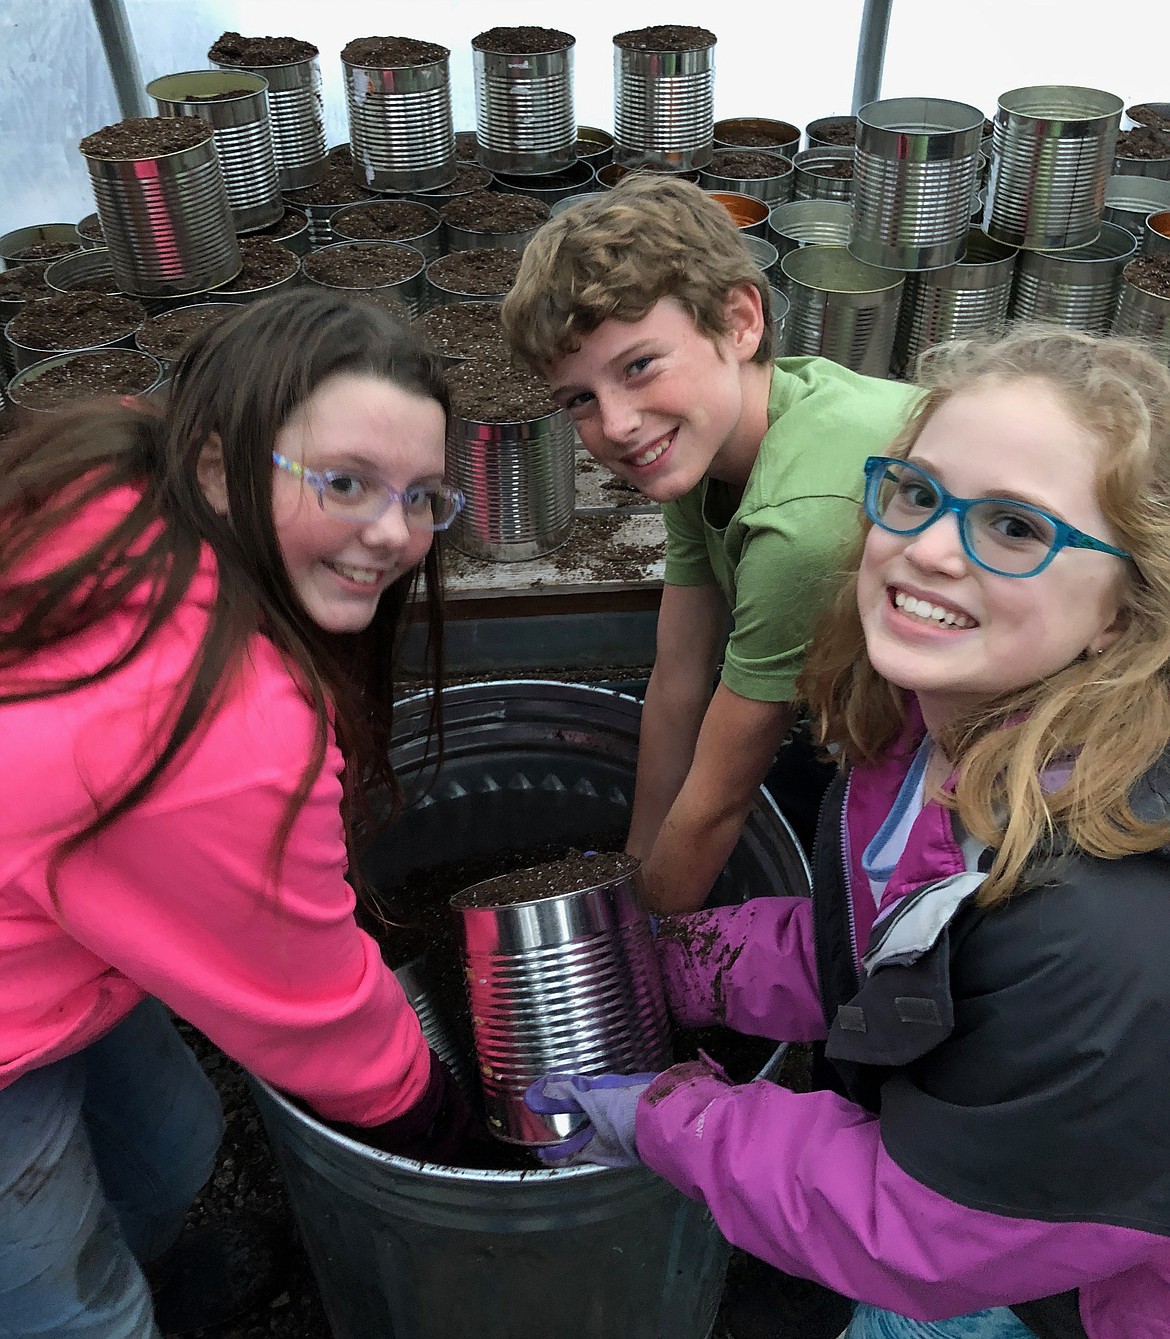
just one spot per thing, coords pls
(355, 497)
(1001, 535)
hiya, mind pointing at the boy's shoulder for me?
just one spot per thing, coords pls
(820, 386)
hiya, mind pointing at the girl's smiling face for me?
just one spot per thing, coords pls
(941, 626)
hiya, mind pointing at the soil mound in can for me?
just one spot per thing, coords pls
(232, 48)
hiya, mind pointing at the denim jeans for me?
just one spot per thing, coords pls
(101, 1155)
(870, 1322)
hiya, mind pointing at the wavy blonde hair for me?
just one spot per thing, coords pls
(1107, 718)
(614, 257)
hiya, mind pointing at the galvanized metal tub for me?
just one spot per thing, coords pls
(1144, 314)
(80, 269)
(551, 187)
(152, 374)
(1075, 288)
(774, 190)
(1129, 201)
(518, 479)
(1051, 152)
(587, 1250)
(37, 234)
(400, 125)
(410, 291)
(563, 984)
(841, 309)
(243, 136)
(809, 183)
(663, 108)
(167, 221)
(296, 115)
(807, 223)
(916, 169)
(1156, 233)
(524, 115)
(962, 299)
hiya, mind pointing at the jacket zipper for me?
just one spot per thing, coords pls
(846, 862)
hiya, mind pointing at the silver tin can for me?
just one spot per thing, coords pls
(757, 132)
(807, 223)
(439, 291)
(296, 114)
(773, 190)
(409, 291)
(748, 212)
(243, 136)
(1051, 152)
(1076, 288)
(812, 173)
(82, 270)
(551, 187)
(1130, 200)
(429, 240)
(146, 369)
(1156, 233)
(1143, 314)
(841, 309)
(64, 235)
(219, 308)
(524, 116)
(916, 169)
(663, 108)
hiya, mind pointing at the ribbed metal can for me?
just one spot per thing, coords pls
(63, 235)
(346, 228)
(1051, 153)
(664, 108)
(1144, 314)
(916, 168)
(243, 136)
(551, 187)
(400, 125)
(410, 290)
(1076, 288)
(567, 983)
(80, 270)
(962, 299)
(1130, 200)
(841, 308)
(807, 223)
(147, 373)
(519, 482)
(810, 179)
(773, 190)
(757, 132)
(167, 221)
(765, 254)
(524, 114)
(296, 115)
(1156, 233)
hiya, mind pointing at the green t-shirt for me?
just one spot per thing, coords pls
(777, 556)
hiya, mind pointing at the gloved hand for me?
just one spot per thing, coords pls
(608, 1102)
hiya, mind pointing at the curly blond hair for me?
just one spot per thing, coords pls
(615, 256)
(1109, 717)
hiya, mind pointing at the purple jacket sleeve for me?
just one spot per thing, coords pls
(802, 1180)
(751, 968)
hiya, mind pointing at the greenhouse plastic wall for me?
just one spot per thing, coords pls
(791, 62)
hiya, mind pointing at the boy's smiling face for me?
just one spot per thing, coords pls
(660, 404)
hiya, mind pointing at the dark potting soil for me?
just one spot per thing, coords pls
(362, 264)
(106, 372)
(290, 222)
(665, 37)
(96, 283)
(837, 130)
(749, 137)
(490, 388)
(468, 177)
(91, 228)
(385, 221)
(22, 283)
(494, 211)
(462, 329)
(341, 155)
(76, 320)
(841, 170)
(492, 270)
(336, 187)
(595, 549)
(1143, 142)
(168, 334)
(391, 53)
(1146, 115)
(623, 494)
(234, 49)
(574, 873)
(145, 137)
(466, 146)
(749, 166)
(519, 40)
(45, 250)
(1151, 274)
(265, 262)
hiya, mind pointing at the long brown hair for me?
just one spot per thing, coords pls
(1101, 722)
(240, 380)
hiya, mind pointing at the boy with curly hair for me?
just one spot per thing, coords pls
(652, 323)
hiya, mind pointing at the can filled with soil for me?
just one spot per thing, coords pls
(291, 230)
(759, 133)
(163, 206)
(235, 106)
(89, 229)
(38, 244)
(70, 321)
(268, 268)
(767, 176)
(390, 271)
(823, 173)
(472, 276)
(25, 283)
(492, 219)
(524, 117)
(391, 221)
(825, 132)
(167, 334)
(57, 383)
(295, 106)
(398, 97)
(594, 146)
(334, 190)
(1143, 152)
(459, 330)
(664, 97)
(1143, 308)
(551, 187)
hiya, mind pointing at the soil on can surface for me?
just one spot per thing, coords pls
(22, 283)
(145, 137)
(289, 223)
(1142, 142)
(362, 264)
(749, 166)
(385, 220)
(336, 187)
(749, 137)
(93, 283)
(386, 53)
(168, 334)
(232, 48)
(837, 130)
(665, 37)
(573, 873)
(522, 40)
(108, 372)
(494, 211)
(466, 146)
(462, 329)
(490, 388)
(842, 170)
(468, 177)
(45, 250)
(91, 228)
(1145, 114)
(76, 321)
(1151, 274)
(492, 270)
(265, 262)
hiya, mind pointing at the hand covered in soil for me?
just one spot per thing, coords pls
(608, 1103)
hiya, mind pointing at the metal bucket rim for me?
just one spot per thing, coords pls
(270, 65)
(1123, 191)
(818, 211)
(5, 239)
(1033, 93)
(869, 115)
(215, 74)
(94, 252)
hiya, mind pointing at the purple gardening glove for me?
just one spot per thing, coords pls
(608, 1102)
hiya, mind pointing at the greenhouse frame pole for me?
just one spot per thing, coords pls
(871, 52)
(114, 29)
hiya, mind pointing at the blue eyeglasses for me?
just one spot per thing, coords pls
(1001, 535)
(356, 498)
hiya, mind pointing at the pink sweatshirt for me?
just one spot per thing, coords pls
(176, 900)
